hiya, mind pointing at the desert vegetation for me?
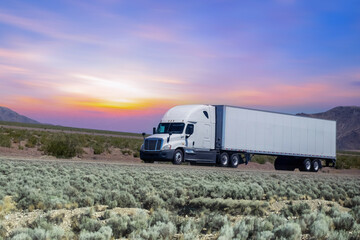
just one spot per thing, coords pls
(69, 200)
(67, 145)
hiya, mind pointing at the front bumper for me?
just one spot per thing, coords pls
(163, 155)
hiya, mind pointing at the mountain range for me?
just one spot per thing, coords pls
(9, 115)
(347, 123)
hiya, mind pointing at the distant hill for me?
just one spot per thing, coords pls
(347, 125)
(9, 115)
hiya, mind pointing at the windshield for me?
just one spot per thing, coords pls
(171, 128)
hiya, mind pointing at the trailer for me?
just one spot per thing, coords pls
(229, 136)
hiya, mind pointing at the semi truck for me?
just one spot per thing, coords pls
(227, 136)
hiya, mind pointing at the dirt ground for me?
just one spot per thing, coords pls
(117, 157)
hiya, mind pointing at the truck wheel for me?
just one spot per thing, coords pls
(306, 165)
(234, 160)
(224, 159)
(178, 157)
(315, 165)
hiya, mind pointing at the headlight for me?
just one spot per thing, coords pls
(167, 147)
(142, 147)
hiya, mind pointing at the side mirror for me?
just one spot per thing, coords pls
(168, 139)
(154, 130)
(143, 134)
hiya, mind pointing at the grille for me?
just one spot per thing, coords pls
(153, 144)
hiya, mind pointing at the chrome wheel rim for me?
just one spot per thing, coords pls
(316, 165)
(235, 160)
(307, 165)
(224, 160)
(178, 157)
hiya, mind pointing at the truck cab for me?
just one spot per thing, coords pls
(185, 133)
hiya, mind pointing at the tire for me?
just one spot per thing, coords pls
(315, 165)
(306, 165)
(224, 159)
(234, 160)
(178, 157)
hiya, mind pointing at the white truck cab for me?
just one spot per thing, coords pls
(184, 131)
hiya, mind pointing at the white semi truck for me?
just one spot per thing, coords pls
(228, 136)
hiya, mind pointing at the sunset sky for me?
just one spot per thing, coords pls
(119, 65)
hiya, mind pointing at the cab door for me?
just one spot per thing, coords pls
(198, 136)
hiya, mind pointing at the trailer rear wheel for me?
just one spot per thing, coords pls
(234, 160)
(224, 159)
(178, 157)
(306, 165)
(315, 165)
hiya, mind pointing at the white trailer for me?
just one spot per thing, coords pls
(228, 136)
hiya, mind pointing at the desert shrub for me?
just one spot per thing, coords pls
(347, 161)
(153, 201)
(5, 141)
(344, 221)
(62, 147)
(214, 222)
(159, 215)
(32, 141)
(54, 232)
(226, 232)
(98, 148)
(159, 231)
(125, 199)
(355, 201)
(338, 235)
(190, 229)
(319, 229)
(7, 205)
(288, 231)
(119, 226)
(138, 222)
(90, 225)
(296, 210)
(355, 211)
(265, 235)
(2, 230)
(262, 159)
(104, 233)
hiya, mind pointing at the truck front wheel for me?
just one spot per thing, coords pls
(224, 159)
(178, 157)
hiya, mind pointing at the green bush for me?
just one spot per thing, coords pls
(5, 141)
(343, 222)
(62, 147)
(291, 231)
